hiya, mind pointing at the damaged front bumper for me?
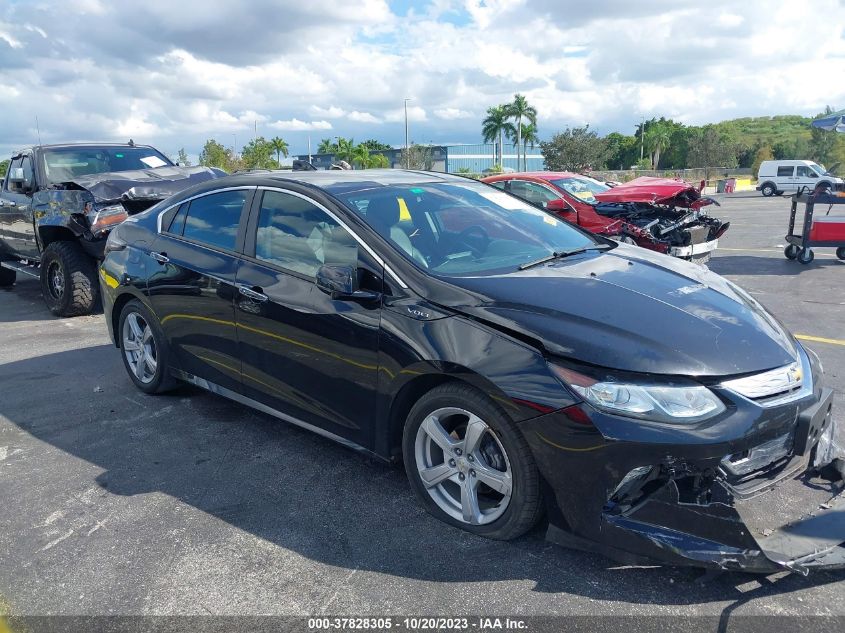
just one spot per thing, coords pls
(694, 249)
(720, 500)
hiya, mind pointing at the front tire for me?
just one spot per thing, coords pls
(68, 279)
(144, 348)
(7, 277)
(469, 465)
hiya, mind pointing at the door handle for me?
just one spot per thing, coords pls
(253, 293)
(161, 258)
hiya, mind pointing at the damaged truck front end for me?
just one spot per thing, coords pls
(90, 206)
(759, 490)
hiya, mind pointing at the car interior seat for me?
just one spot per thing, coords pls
(383, 214)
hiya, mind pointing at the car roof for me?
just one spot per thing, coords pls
(539, 175)
(335, 181)
(80, 145)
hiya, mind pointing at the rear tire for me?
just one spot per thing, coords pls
(68, 279)
(144, 349)
(768, 190)
(482, 480)
(7, 277)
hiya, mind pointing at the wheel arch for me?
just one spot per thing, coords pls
(120, 302)
(426, 376)
(47, 234)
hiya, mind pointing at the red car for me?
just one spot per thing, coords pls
(660, 214)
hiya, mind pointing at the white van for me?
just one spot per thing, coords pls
(779, 176)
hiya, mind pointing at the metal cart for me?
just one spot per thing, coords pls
(819, 227)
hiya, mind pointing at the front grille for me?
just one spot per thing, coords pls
(776, 386)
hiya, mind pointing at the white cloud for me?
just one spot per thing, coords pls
(295, 125)
(362, 117)
(176, 74)
(451, 114)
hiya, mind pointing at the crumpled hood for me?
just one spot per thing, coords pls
(634, 310)
(143, 184)
(655, 191)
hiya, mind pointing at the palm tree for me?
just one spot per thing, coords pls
(326, 146)
(495, 125)
(519, 109)
(345, 149)
(657, 139)
(280, 146)
(360, 156)
(529, 137)
(378, 161)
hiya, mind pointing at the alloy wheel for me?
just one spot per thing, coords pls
(463, 466)
(139, 347)
(56, 279)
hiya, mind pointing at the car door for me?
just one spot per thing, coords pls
(192, 285)
(305, 354)
(16, 227)
(805, 176)
(785, 178)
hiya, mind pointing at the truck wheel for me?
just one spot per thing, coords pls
(768, 190)
(7, 277)
(68, 279)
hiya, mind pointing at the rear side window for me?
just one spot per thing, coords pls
(298, 235)
(177, 226)
(213, 219)
(785, 171)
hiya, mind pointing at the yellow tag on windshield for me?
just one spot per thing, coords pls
(404, 214)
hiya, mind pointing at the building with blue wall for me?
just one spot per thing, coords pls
(451, 158)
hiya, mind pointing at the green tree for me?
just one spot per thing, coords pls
(496, 125)
(214, 154)
(4, 167)
(182, 158)
(280, 146)
(764, 153)
(326, 147)
(528, 134)
(518, 110)
(360, 156)
(376, 146)
(258, 154)
(657, 138)
(709, 148)
(345, 149)
(378, 161)
(574, 149)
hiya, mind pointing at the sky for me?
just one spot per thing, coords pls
(175, 73)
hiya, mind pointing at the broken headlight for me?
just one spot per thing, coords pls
(644, 400)
(106, 217)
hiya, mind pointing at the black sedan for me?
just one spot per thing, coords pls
(519, 366)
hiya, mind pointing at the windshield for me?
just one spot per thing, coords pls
(62, 164)
(582, 188)
(456, 229)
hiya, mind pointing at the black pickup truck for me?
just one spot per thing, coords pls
(59, 202)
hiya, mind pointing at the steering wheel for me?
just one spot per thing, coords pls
(475, 234)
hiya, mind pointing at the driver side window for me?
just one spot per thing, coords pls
(531, 192)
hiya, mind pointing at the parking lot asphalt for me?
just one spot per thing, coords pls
(114, 502)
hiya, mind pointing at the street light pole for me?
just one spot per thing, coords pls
(407, 146)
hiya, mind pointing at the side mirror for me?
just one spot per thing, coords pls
(559, 204)
(19, 179)
(341, 283)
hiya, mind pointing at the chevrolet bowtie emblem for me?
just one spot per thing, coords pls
(794, 375)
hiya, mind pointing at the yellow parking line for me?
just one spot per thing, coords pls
(819, 339)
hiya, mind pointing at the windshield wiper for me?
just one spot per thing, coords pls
(561, 254)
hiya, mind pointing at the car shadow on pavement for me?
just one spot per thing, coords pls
(750, 265)
(26, 303)
(299, 491)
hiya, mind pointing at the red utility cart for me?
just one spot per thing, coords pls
(821, 227)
